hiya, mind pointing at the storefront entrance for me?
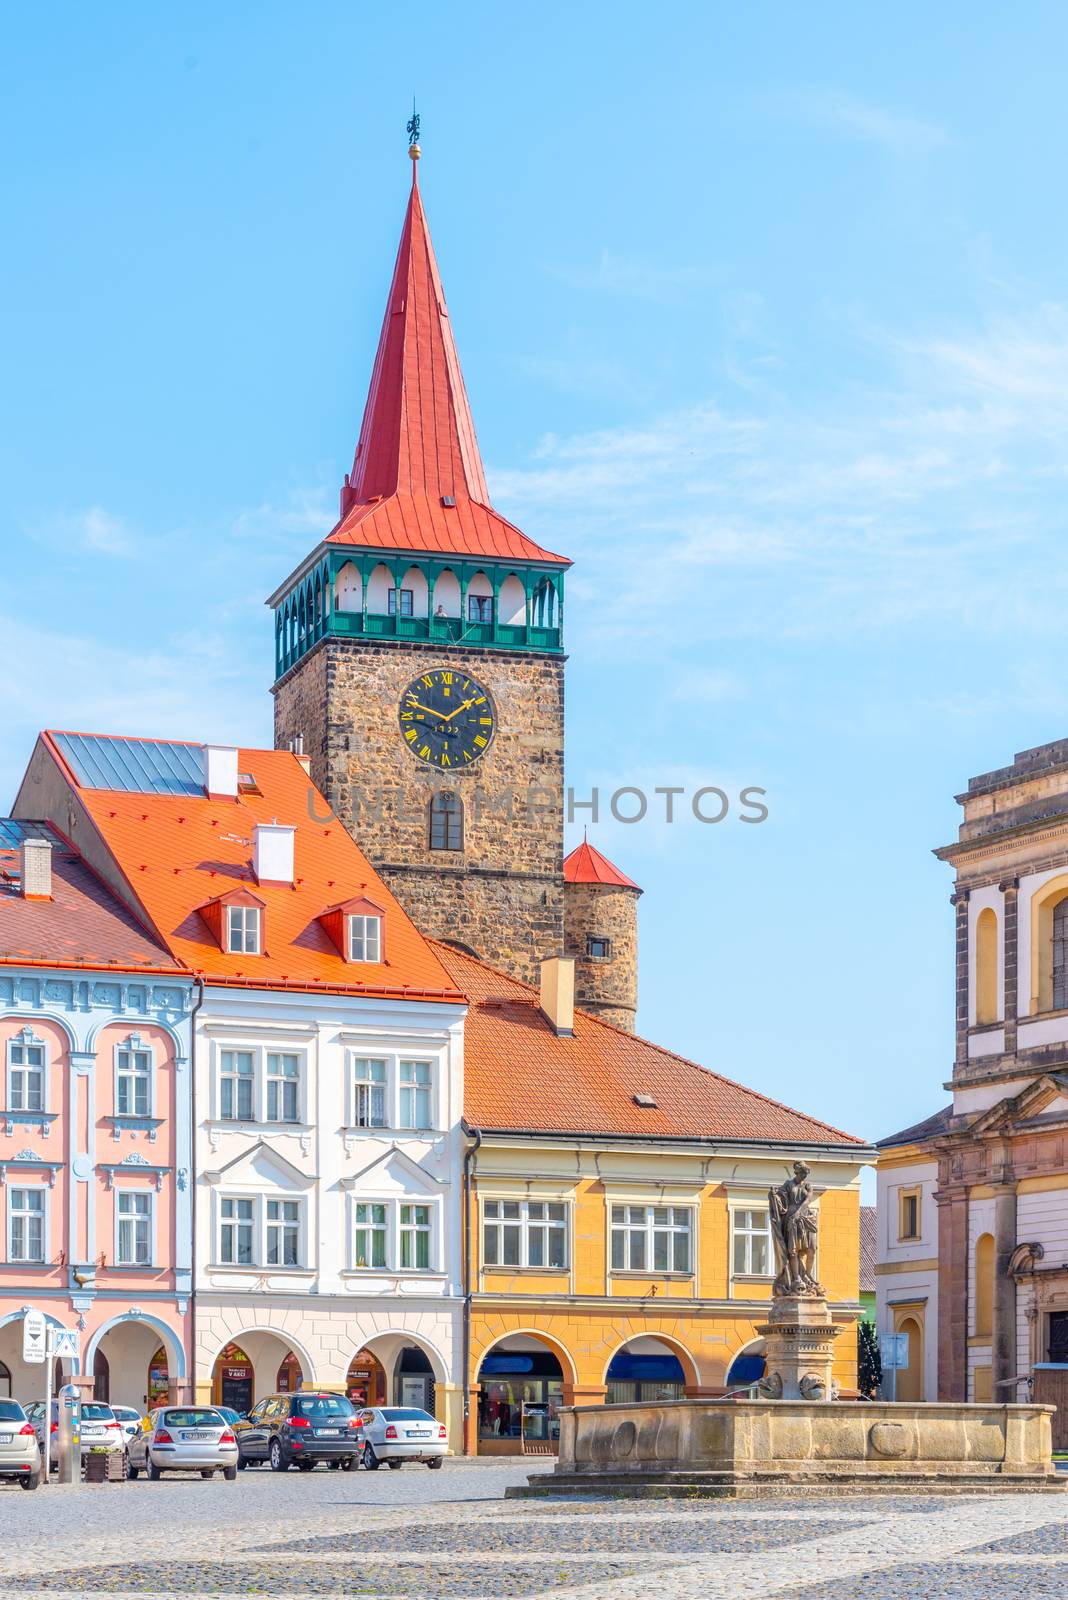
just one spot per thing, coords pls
(233, 1381)
(366, 1381)
(519, 1401)
(413, 1383)
(644, 1377)
(159, 1379)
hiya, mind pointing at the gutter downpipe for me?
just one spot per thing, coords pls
(193, 1189)
(469, 1154)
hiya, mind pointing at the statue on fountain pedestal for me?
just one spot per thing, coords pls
(794, 1231)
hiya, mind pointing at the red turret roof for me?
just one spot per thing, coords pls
(417, 445)
(587, 865)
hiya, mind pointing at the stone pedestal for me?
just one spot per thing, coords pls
(799, 1336)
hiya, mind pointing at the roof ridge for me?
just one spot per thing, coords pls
(650, 1044)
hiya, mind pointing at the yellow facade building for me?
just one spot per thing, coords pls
(617, 1216)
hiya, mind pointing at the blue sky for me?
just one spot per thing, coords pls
(763, 318)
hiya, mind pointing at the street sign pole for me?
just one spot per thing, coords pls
(46, 1430)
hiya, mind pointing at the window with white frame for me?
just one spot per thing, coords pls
(652, 1238)
(133, 1080)
(751, 1233)
(415, 1086)
(26, 1065)
(369, 1092)
(243, 930)
(394, 1235)
(369, 1234)
(237, 1229)
(26, 1217)
(237, 1086)
(283, 1087)
(365, 938)
(524, 1233)
(283, 1233)
(133, 1232)
(414, 1238)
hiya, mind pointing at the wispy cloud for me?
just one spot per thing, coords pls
(636, 278)
(924, 494)
(899, 133)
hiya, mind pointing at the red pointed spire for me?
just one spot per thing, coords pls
(417, 434)
(585, 864)
(417, 481)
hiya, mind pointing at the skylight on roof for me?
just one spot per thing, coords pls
(134, 766)
(646, 1100)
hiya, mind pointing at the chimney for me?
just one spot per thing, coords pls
(36, 861)
(558, 994)
(273, 853)
(220, 771)
(296, 744)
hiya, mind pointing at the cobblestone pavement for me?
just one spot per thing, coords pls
(450, 1535)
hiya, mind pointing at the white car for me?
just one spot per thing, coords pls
(396, 1434)
(100, 1428)
(129, 1420)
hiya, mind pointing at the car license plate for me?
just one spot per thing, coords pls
(196, 1433)
(327, 1433)
(6, 1438)
(419, 1433)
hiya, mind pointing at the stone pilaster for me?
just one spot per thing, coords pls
(952, 1294)
(1004, 1346)
(960, 901)
(1010, 889)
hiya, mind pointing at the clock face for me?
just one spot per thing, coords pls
(447, 719)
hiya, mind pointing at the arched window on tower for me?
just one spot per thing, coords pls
(986, 966)
(446, 822)
(1060, 955)
(348, 589)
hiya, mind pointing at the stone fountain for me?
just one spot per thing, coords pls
(798, 1437)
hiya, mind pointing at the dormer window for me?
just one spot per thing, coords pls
(243, 930)
(365, 938)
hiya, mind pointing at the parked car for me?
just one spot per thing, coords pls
(129, 1420)
(20, 1455)
(300, 1428)
(100, 1428)
(396, 1434)
(229, 1414)
(184, 1439)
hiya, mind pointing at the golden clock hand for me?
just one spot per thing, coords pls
(420, 707)
(447, 717)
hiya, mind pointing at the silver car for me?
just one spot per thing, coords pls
(396, 1434)
(184, 1439)
(99, 1428)
(19, 1454)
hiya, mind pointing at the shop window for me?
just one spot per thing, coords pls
(520, 1395)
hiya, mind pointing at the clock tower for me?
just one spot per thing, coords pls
(419, 653)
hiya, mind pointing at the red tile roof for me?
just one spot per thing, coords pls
(587, 865)
(417, 443)
(82, 926)
(867, 1250)
(520, 1076)
(180, 851)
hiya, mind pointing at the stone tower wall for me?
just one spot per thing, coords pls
(502, 896)
(608, 988)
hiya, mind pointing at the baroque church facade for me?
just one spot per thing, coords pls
(973, 1201)
(419, 660)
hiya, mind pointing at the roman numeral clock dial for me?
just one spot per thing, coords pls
(447, 719)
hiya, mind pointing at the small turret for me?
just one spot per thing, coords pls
(601, 934)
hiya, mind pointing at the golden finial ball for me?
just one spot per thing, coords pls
(414, 151)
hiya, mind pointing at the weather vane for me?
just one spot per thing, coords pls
(413, 127)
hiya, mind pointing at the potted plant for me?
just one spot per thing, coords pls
(96, 1464)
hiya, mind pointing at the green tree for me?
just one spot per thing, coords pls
(869, 1366)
